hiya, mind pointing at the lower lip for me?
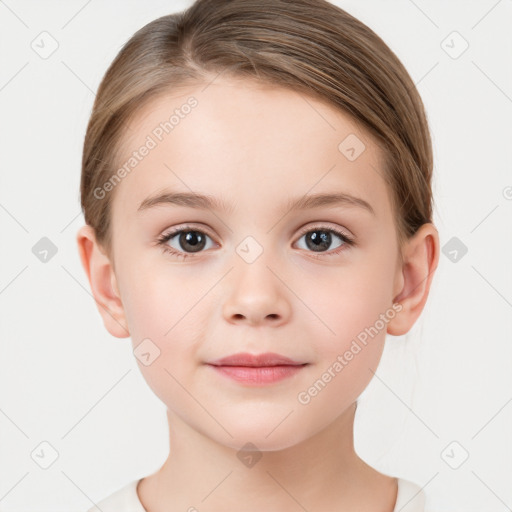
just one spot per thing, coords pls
(258, 375)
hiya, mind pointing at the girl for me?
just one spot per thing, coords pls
(256, 186)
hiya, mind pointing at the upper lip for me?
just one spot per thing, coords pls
(246, 359)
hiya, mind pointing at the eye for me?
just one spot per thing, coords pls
(187, 240)
(319, 239)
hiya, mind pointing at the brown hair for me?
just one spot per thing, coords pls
(309, 46)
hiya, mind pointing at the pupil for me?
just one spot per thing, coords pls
(193, 239)
(321, 240)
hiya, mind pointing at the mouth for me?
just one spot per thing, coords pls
(257, 370)
(256, 360)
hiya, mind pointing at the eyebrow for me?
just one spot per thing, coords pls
(208, 202)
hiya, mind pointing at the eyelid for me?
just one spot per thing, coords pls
(188, 227)
(343, 233)
(302, 231)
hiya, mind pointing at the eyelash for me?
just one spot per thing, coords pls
(163, 239)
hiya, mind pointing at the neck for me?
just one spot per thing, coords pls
(321, 473)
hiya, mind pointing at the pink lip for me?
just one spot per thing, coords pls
(246, 359)
(257, 369)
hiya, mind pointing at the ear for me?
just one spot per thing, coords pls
(103, 282)
(414, 277)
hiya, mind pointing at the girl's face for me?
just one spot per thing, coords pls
(249, 272)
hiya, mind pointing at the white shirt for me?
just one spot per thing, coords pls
(410, 498)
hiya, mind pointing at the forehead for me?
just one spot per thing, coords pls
(248, 143)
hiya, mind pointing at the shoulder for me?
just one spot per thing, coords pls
(125, 499)
(410, 497)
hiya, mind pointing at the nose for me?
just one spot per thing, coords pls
(256, 295)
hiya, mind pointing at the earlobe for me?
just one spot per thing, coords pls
(102, 280)
(420, 259)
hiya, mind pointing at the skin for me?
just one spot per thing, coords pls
(257, 146)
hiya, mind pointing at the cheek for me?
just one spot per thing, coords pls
(166, 307)
(355, 308)
(350, 300)
(157, 299)
(161, 320)
(346, 360)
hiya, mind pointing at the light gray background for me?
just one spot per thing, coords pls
(66, 381)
